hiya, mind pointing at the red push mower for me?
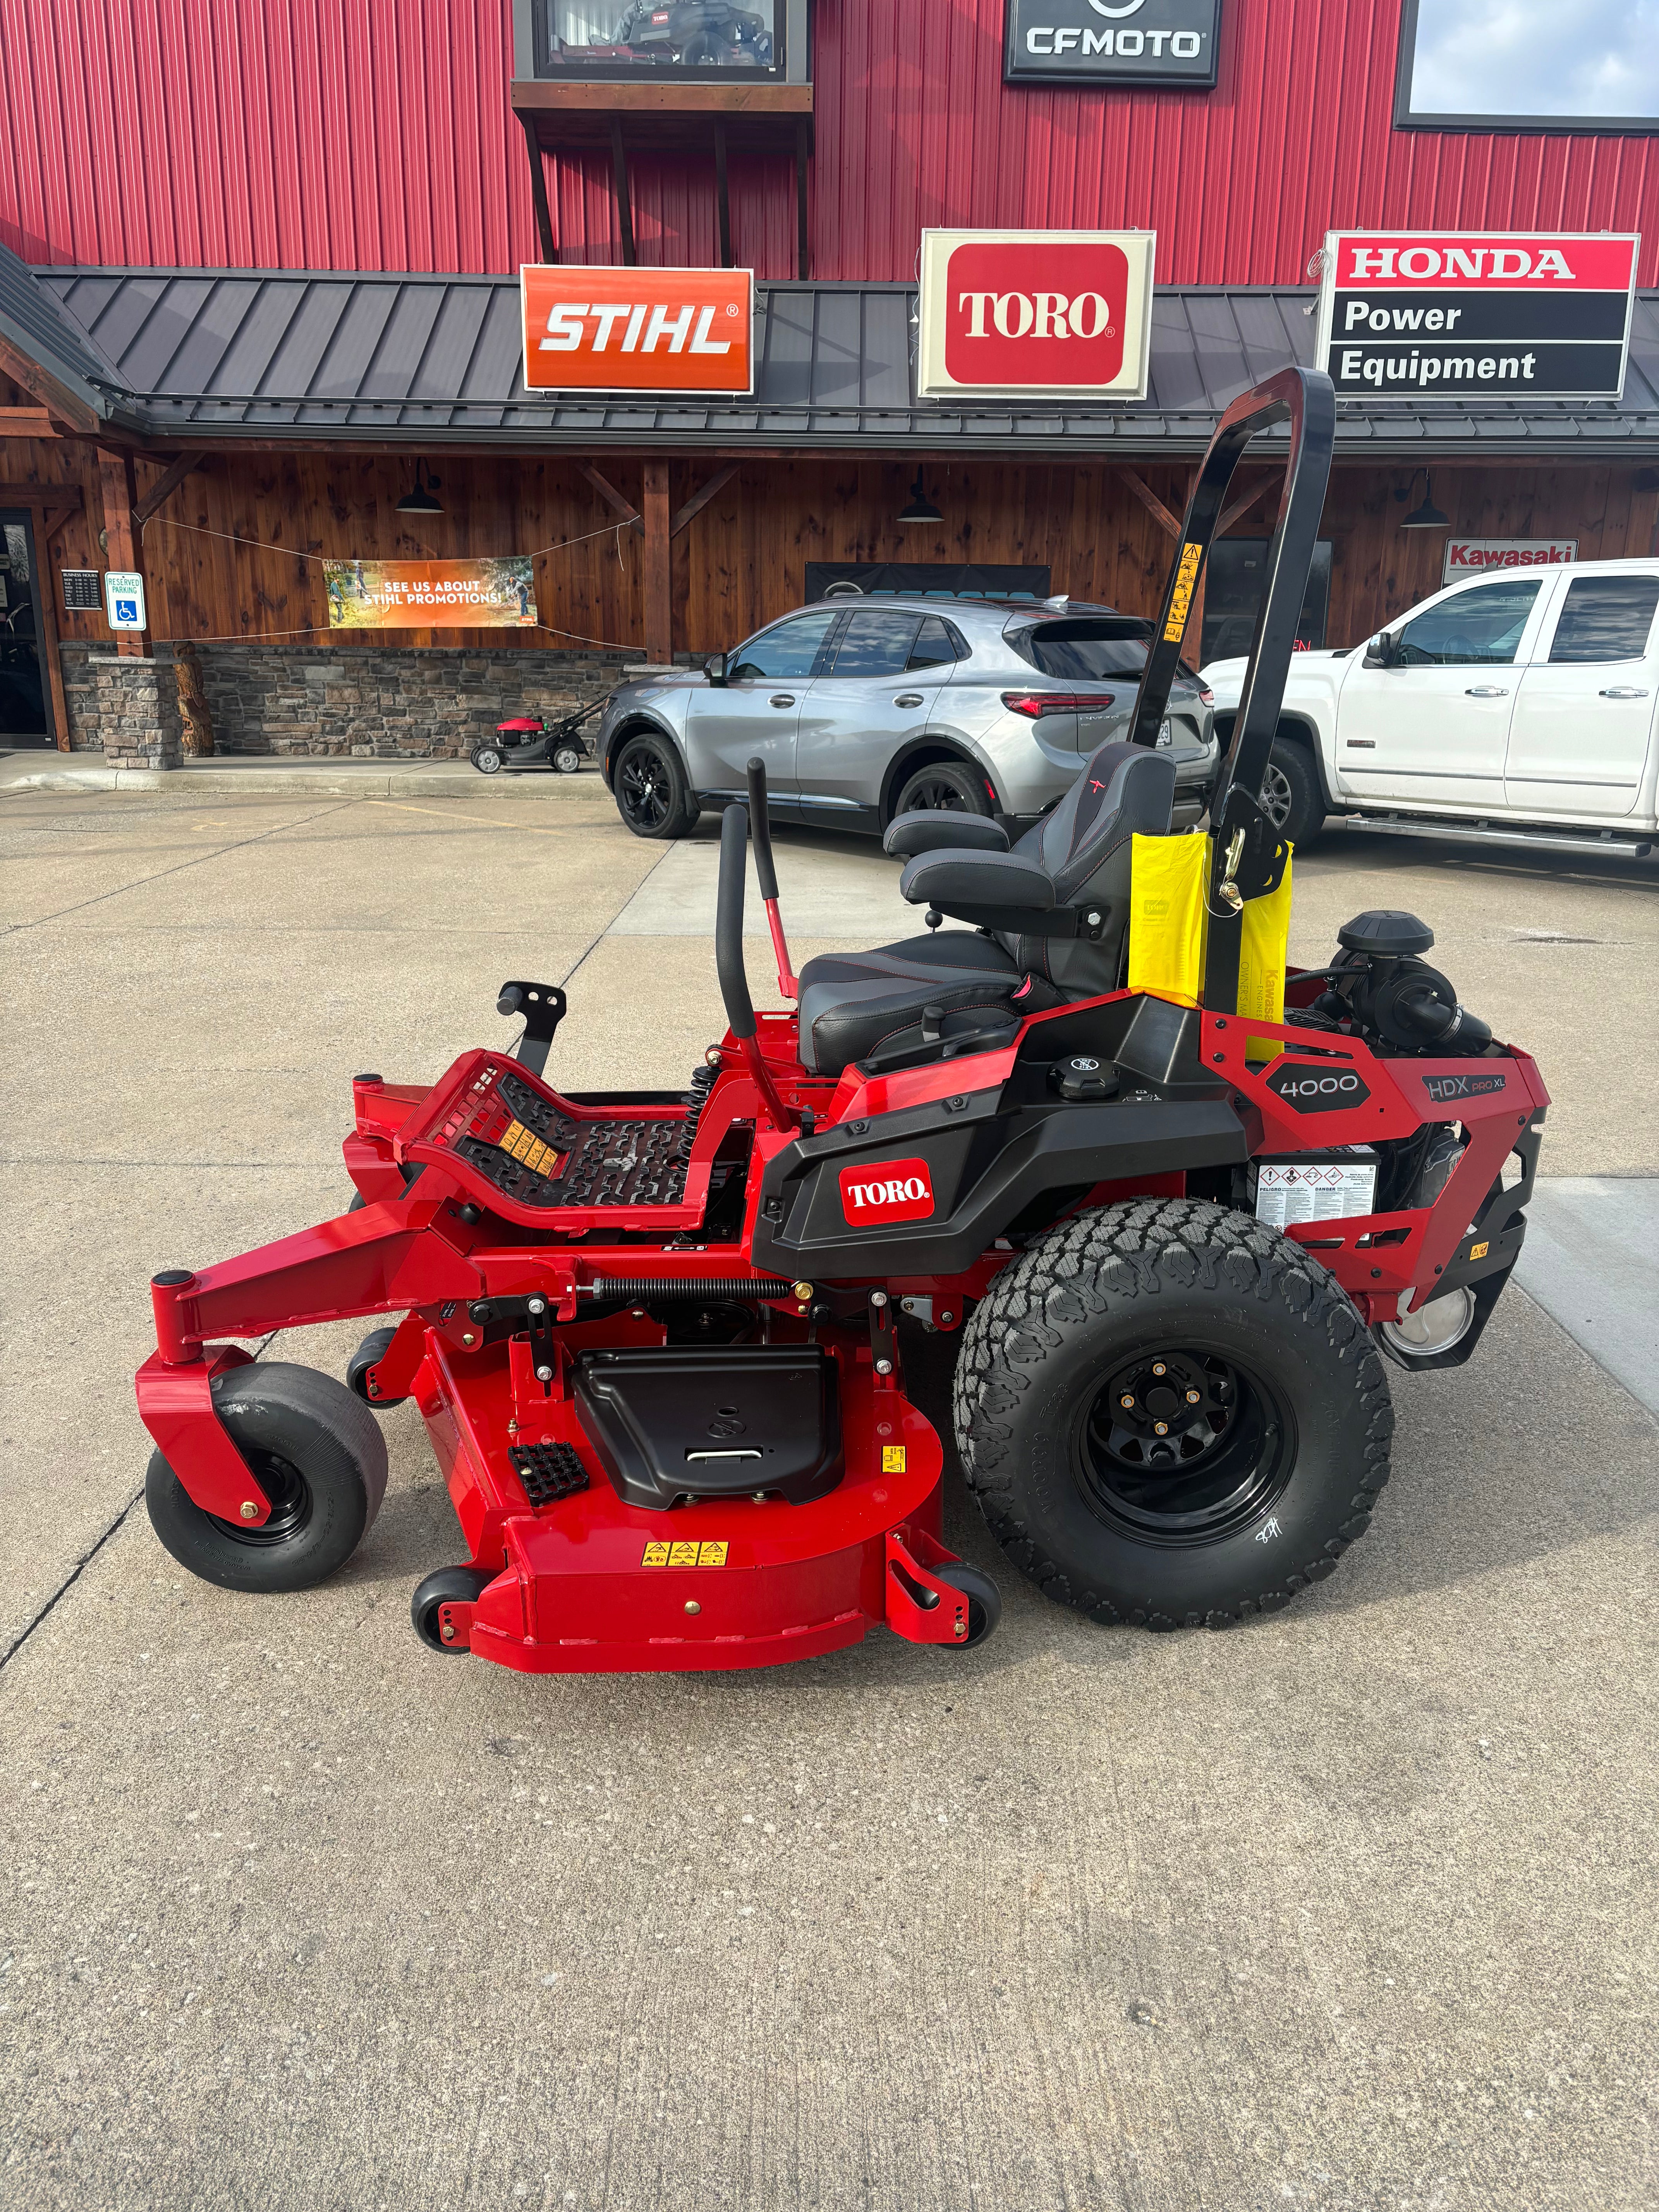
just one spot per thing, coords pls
(527, 741)
(651, 1334)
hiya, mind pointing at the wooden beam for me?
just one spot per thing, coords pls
(161, 491)
(624, 196)
(722, 203)
(609, 495)
(26, 422)
(699, 500)
(121, 546)
(538, 191)
(1241, 507)
(1150, 499)
(63, 405)
(42, 496)
(658, 593)
(45, 612)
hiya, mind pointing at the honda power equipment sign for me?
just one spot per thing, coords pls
(639, 330)
(1065, 314)
(1426, 314)
(1110, 41)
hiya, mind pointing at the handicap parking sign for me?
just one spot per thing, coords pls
(124, 599)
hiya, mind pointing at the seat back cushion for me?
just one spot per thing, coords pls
(1086, 845)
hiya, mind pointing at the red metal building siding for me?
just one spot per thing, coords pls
(375, 134)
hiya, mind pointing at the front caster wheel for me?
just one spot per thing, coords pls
(369, 1353)
(1172, 1416)
(318, 1455)
(448, 1586)
(984, 1601)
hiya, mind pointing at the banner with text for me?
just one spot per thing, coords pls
(432, 594)
(1424, 314)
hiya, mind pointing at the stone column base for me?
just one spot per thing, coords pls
(136, 705)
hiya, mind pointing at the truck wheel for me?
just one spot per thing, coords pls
(1291, 796)
(318, 1455)
(652, 796)
(1172, 1416)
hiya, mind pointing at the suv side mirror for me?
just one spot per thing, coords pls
(1382, 652)
(714, 669)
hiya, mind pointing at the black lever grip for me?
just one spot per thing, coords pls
(728, 923)
(760, 827)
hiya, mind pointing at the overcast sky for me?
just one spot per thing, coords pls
(1537, 57)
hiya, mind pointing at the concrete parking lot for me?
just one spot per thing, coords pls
(1349, 1908)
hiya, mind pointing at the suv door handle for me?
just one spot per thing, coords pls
(1487, 691)
(781, 699)
(908, 698)
(1623, 691)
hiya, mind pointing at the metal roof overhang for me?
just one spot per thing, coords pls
(206, 358)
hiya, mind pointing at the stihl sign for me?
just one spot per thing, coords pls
(1413, 314)
(1019, 312)
(892, 1190)
(638, 329)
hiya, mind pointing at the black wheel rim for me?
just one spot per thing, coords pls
(1183, 1447)
(642, 788)
(290, 1503)
(934, 795)
(1276, 796)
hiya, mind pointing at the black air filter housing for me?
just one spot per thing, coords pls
(1385, 933)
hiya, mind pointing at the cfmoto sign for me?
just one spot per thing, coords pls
(1121, 42)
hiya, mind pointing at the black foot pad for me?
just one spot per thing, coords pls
(548, 1472)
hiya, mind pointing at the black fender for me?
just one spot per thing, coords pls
(985, 1165)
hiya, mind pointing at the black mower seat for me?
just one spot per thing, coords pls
(852, 1003)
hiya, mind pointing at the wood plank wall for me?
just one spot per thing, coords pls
(741, 560)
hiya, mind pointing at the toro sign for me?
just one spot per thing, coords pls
(1067, 313)
(1419, 314)
(638, 329)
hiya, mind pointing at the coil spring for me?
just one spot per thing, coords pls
(642, 1290)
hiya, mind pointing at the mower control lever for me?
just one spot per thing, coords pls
(728, 963)
(543, 1006)
(760, 829)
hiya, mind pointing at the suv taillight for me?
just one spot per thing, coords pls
(1207, 695)
(1036, 704)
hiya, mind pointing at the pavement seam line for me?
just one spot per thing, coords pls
(86, 1559)
(161, 874)
(443, 814)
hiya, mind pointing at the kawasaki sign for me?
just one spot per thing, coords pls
(1430, 315)
(1121, 42)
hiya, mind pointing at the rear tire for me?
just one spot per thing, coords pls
(566, 759)
(943, 787)
(316, 1453)
(653, 796)
(1291, 796)
(1170, 1416)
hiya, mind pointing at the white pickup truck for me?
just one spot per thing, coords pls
(1517, 707)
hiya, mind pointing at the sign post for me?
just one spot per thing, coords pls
(1507, 315)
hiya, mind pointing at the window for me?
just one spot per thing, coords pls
(938, 645)
(875, 644)
(1606, 618)
(646, 38)
(791, 650)
(1084, 651)
(1481, 626)
(1529, 64)
(1234, 575)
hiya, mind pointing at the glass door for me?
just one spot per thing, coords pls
(25, 715)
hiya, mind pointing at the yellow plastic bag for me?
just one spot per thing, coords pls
(1261, 956)
(1167, 917)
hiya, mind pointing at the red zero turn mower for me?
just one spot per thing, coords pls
(651, 1334)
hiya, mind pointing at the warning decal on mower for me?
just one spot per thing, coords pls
(522, 1144)
(892, 1459)
(893, 1190)
(1181, 599)
(685, 1555)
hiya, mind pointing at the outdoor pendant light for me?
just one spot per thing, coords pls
(420, 500)
(1428, 516)
(921, 509)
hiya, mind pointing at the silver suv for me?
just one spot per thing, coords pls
(867, 710)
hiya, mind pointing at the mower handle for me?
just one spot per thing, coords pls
(729, 964)
(760, 823)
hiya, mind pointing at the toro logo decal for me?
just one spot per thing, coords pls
(1312, 1090)
(891, 1190)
